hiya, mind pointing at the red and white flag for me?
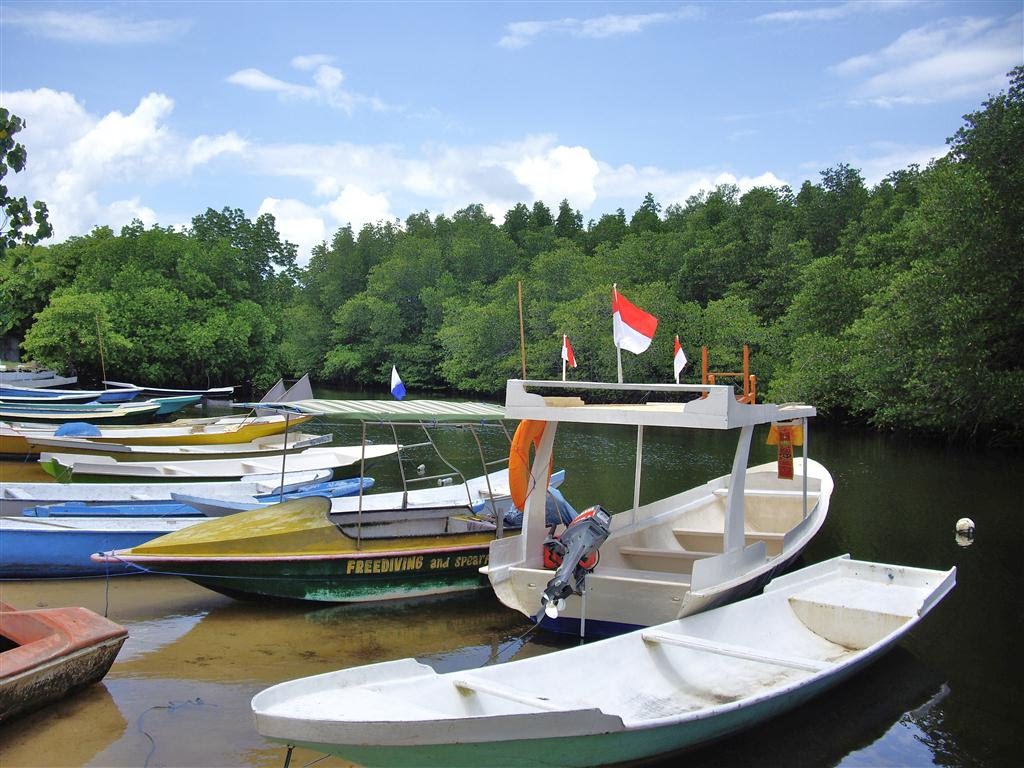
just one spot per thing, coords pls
(632, 328)
(567, 354)
(679, 361)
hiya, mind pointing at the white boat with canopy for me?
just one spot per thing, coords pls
(665, 559)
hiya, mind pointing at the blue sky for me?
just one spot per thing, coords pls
(327, 113)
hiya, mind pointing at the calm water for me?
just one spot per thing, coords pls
(950, 695)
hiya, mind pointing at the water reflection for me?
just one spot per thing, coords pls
(949, 695)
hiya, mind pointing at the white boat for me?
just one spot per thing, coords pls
(629, 698)
(487, 495)
(15, 498)
(71, 467)
(261, 446)
(15, 437)
(674, 556)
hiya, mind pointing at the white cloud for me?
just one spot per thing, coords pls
(834, 11)
(75, 158)
(519, 34)
(255, 80)
(203, 149)
(102, 28)
(357, 207)
(948, 59)
(297, 223)
(878, 160)
(327, 88)
(559, 173)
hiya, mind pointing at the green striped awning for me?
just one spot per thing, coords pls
(392, 410)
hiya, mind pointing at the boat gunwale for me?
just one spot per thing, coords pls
(112, 557)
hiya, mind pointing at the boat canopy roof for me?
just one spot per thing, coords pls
(392, 410)
(562, 401)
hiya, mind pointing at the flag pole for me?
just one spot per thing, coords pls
(564, 361)
(618, 349)
(522, 332)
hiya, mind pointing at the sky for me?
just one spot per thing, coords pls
(333, 113)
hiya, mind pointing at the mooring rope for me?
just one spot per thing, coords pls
(170, 706)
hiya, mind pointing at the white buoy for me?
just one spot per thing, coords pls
(965, 526)
(421, 469)
(965, 531)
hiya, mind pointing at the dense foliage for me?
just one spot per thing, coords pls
(900, 305)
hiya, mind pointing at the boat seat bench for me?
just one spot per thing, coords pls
(654, 637)
(714, 540)
(602, 572)
(469, 685)
(679, 555)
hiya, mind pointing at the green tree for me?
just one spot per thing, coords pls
(569, 222)
(647, 217)
(17, 217)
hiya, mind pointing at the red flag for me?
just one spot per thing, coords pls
(567, 353)
(678, 360)
(632, 328)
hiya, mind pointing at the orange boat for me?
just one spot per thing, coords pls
(47, 653)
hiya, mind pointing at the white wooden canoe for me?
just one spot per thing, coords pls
(261, 446)
(225, 429)
(633, 697)
(15, 498)
(74, 467)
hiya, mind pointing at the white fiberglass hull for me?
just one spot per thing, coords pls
(667, 561)
(647, 693)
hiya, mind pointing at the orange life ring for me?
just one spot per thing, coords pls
(529, 431)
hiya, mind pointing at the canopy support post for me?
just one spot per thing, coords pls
(734, 513)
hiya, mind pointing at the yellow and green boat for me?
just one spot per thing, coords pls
(302, 550)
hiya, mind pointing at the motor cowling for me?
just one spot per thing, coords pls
(573, 555)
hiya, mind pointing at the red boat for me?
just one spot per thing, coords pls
(47, 653)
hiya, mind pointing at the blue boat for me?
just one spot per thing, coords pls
(141, 509)
(58, 548)
(118, 395)
(182, 508)
(170, 405)
(57, 541)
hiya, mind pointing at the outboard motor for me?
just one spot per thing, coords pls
(574, 554)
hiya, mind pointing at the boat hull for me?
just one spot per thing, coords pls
(52, 548)
(56, 651)
(647, 694)
(336, 579)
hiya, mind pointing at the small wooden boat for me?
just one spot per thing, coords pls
(491, 490)
(93, 413)
(119, 395)
(85, 397)
(15, 498)
(672, 556)
(69, 467)
(61, 547)
(17, 438)
(46, 654)
(214, 507)
(210, 393)
(270, 445)
(630, 698)
(173, 404)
